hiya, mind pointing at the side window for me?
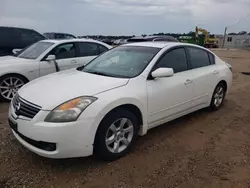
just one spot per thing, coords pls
(102, 49)
(211, 58)
(29, 36)
(175, 59)
(26, 37)
(66, 36)
(198, 57)
(88, 49)
(59, 36)
(64, 51)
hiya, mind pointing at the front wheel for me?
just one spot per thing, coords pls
(9, 85)
(218, 97)
(116, 135)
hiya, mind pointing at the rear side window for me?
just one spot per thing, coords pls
(88, 49)
(198, 57)
(175, 59)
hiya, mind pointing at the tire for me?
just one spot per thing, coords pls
(109, 137)
(218, 97)
(9, 85)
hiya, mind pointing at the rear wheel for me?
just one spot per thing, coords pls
(218, 96)
(9, 86)
(116, 135)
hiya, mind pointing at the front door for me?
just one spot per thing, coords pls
(170, 96)
(65, 58)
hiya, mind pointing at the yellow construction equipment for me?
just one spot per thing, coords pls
(209, 42)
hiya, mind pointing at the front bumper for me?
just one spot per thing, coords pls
(73, 139)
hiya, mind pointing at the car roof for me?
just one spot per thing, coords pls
(152, 37)
(70, 40)
(57, 33)
(161, 44)
(10, 27)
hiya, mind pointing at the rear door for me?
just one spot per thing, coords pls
(205, 74)
(88, 51)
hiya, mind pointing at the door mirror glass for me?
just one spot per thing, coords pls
(51, 58)
(162, 72)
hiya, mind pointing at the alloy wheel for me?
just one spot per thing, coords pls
(119, 135)
(218, 96)
(9, 87)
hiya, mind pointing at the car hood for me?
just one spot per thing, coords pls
(7, 60)
(54, 89)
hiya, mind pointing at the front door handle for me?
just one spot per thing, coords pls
(215, 72)
(73, 61)
(188, 81)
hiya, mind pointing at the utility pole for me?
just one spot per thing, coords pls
(225, 33)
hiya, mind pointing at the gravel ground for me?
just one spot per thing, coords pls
(204, 149)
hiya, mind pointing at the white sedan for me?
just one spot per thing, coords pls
(42, 58)
(102, 108)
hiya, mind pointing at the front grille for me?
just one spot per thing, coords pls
(25, 108)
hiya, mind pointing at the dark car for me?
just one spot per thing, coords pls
(59, 35)
(17, 38)
(153, 38)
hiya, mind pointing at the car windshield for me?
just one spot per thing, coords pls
(35, 50)
(122, 62)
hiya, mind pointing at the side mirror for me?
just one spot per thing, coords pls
(51, 58)
(162, 72)
(15, 51)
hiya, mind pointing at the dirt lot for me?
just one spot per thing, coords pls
(203, 149)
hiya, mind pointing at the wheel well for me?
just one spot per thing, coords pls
(224, 83)
(133, 109)
(15, 74)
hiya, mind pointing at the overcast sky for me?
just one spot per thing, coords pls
(125, 17)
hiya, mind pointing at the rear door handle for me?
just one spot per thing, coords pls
(73, 61)
(188, 81)
(216, 72)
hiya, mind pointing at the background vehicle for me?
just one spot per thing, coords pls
(45, 57)
(59, 35)
(17, 38)
(102, 107)
(153, 38)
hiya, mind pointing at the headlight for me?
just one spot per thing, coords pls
(70, 110)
